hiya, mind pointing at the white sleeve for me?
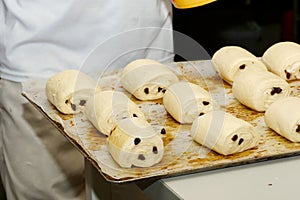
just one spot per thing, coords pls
(106, 108)
(283, 116)
(185, 101)
(230, 60)
(224, 133)
(134, 143)
(258, 89)
(147, 79)
(69, 90)
(283, 59)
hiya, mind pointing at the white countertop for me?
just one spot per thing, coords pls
(276, 179)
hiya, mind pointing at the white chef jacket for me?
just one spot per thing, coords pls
(38, 38)
(89, 35)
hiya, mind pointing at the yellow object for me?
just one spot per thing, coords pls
(190, 3)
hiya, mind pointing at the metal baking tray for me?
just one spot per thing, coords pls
(182, 155)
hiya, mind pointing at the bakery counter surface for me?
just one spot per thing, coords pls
(276, 180)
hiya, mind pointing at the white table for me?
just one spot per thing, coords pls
(276, 179)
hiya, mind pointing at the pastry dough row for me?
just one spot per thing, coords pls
(265, 88)
(189, 103)
(116, 116)
(113, 113)
(148, 80)
(131, 139)
(252, 84)
(282, 59)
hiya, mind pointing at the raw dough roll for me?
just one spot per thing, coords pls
(69, 90)
(185, 101)
(229, 60)
(258, 89)
(283, 59)
(283, 116)
(106, 108)
(147, 79)
(224, 133)
(134, 143)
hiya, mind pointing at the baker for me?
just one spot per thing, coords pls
(41, 38)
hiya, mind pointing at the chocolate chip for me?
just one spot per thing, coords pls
(141, 157)
(276, 90)
(163, 90)
(234, 138)
(298, 128)
(134, 115)
(146, 90)
(73, 106)
(137, 141)
(288, 74)
(205, 103)
(163, 131)
(67, 101)
(112, 130)
(242, 66)
(159, 89)
(241, 141)
(154, 149)
(201, 114)
(82, 102)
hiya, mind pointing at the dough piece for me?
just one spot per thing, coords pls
(229, 60)
(147, 79)
(224, 133)
(283, 59)
(134, 143)
(106, 108)
(69, 90)
(185, 101)
(283, 116)
(258, 89)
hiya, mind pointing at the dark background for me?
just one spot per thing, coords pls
(252, 24)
